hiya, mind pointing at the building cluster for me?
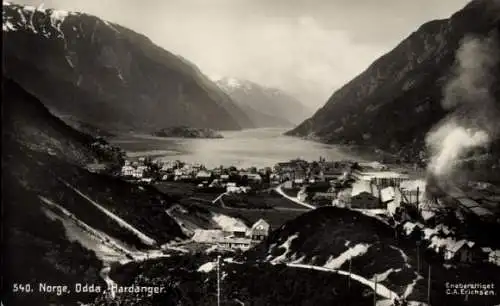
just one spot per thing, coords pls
(300, 172)
(343, 184)
(445, 244)
(236, 236)
(231, 178)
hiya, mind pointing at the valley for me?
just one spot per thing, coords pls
(130, 177)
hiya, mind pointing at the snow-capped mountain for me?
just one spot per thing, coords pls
(265, 106)
(105, 74)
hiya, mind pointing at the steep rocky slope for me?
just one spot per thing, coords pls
(266, 107)
(394, 103)
(60, 219)
(107, 75)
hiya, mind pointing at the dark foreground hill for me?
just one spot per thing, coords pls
(107, 75)
(61, 220)
(242, 283)
(329, 236)
(393, 104)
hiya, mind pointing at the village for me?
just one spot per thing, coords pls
(445, 223)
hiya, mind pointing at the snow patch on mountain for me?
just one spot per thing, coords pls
(17, 17)
(286, 246)
(337, 262)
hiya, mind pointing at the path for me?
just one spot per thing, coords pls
(144, 238)
(293, 199)
(380, 289)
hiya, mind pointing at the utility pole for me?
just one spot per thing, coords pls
(429, 287)
(349, 278)
(418, 256)
(218, 280)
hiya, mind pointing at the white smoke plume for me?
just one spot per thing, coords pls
(472, 121)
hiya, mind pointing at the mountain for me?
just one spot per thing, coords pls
(109, 76)
(267, 107)
(334, 238)
(64, 222)
(396, 101)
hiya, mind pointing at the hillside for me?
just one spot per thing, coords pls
(108, 76)
(193, 281)
(266, 107)
(395, 102)
(63, 222)
(328, 237)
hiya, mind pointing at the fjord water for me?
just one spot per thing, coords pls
(253, 147)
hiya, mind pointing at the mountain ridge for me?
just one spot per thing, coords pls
(266, 106)
(394, 102)
(115, 77)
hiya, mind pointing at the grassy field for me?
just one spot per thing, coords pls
(279, 211)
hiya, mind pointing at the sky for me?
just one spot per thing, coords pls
(308, 48)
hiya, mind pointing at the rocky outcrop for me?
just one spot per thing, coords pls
(187, 132)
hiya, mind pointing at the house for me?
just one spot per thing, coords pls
(254, 177)
(237, 189)
(146, 180)
(365, 200)
(299, 174)
(343, 199)
(362, 186)
(235, 228)
(494, 257)
(465, 252)
(298, 182)
(387, 194)
(207, 236)
(127, 170)
(323, 198)
(236, 243)
(288, 185)
(166, 168)
(373, 166)
(203, 174)
(139, 171)
(331, 174)
(302, 195)
(259, 230)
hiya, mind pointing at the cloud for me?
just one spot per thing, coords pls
(299, 56)
(308, 47)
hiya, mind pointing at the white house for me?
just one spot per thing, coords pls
(127, 170)
(259, 230)
(302, 195)
(387, 194)
(237, 189)
(254, 177)
(139, 171)
(287, 185)
(203, 174)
